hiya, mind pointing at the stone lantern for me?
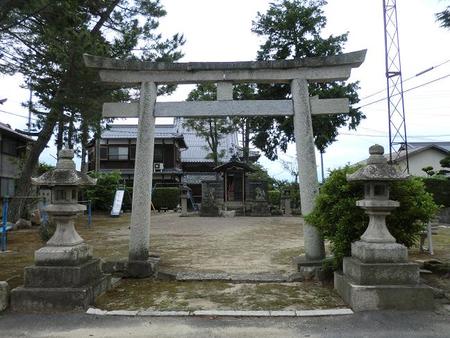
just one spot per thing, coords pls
(65, 275)
(377, 175)
(378, 275)
(184, 196)
(286, 202)
(66, 246)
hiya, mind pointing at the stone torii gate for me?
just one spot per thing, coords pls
(130, 73)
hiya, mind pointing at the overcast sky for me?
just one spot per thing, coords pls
(218, 30)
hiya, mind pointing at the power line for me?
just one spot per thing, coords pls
(383, 136)
(18, 115)
(410, 78)
(405, 91)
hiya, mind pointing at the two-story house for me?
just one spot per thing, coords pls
(180, 156)
(13, 146)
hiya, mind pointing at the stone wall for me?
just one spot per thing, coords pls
(444, 215)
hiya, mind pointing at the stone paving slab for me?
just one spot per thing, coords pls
(223, 313)
(232, 313)
(232, 277)
(283, 313)
(323, 312)
(122, 313)
(155, 313)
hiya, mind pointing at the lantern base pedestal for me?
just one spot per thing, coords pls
(379, 276)
(60, 287)
(63, 255)
(379, 252)
(383, 297)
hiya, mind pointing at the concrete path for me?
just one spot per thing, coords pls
(369, 324)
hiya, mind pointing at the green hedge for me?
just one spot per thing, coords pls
(166, 197)
(274, 197)
(102, 194)
(440, 189)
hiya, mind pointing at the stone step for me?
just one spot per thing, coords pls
(232, 277)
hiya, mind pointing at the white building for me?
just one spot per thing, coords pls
(424, 154)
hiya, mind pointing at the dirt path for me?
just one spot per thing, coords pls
(240, 244)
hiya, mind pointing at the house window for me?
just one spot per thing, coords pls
(6, 187)
(103, 153)
(118, 153)
(158, 156)
(132, 152)
(9, 146)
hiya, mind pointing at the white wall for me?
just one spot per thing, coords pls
(429, 157)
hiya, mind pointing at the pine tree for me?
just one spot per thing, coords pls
(293, 29)
(44, 40)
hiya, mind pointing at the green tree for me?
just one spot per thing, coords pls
(292, 29)
(444, 17)
(341, 222)
(44, 40)
(245, 124)
(102, 194)
(211, 129)
(445, 163)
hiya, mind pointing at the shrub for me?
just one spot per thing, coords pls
(102, 194)
(341, 222)
(166, 197)
(46, 231)
(439, 187)
(276, 212)
(274, 197)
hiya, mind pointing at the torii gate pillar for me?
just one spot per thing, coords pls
(139, 264)
(308, 183)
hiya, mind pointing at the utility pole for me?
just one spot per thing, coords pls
(394, 81)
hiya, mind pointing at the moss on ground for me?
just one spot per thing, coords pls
(173, 295)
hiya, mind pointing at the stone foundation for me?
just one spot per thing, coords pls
(60, 288)
(382, 297)
(143, 269)
(311, 269)
(378, 276)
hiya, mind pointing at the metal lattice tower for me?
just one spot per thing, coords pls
(398, 144)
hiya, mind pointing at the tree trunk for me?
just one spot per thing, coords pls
(70, 140)
(84, 142)
(246, 141)
(23, 183)
(60, 135)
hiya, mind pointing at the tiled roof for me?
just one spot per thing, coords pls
(416, 145)
(7, 128)
(195, 152)
(130, 131)
(416, 148)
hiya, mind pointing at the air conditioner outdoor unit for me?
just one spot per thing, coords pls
(157, 167)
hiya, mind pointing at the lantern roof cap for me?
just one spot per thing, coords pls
(65, 173)
(377, 168)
